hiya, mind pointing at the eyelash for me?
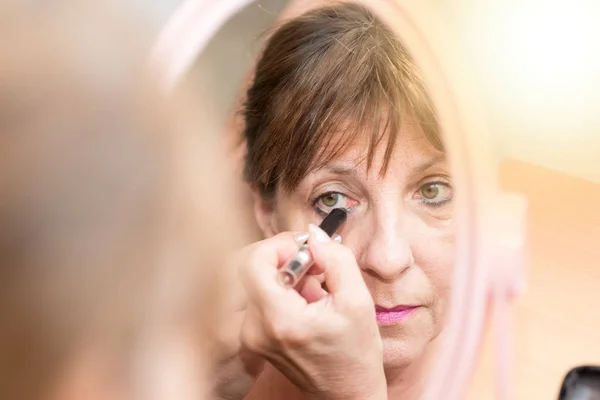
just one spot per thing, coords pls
(425, 201)
(432, 203)
(316, 199)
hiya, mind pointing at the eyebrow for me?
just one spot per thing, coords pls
(341, 169)
(351, 170)
(426, 165)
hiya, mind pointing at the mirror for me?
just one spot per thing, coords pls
(581, 383)
(309, 111)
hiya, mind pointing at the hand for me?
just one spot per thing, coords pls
(328, 344)
(236, 368)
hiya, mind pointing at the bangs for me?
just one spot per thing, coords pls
(375, 124)
(327, 81)
(366, 112)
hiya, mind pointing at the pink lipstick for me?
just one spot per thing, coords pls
(392, 316)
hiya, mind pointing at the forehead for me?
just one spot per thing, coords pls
(412, 152)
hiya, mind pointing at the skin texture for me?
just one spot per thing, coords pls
(402, 245)
(293, 212)
(310, 336)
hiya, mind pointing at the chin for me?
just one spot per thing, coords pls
(399, 354)
(405, 344)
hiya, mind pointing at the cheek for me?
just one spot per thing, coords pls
(434, 253)
(294, 217)
(356, 231)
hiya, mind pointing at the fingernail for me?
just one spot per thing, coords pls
(301, 237)
(337, 238)
(318, 233)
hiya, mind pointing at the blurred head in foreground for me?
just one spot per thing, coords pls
(109, 239)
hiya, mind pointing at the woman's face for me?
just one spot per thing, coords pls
(399, 228)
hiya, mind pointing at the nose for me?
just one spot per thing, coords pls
(387, 252)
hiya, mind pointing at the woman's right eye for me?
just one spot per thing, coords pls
(325, 203)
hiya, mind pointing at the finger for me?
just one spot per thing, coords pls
(342, 274)
(316, 269)
(320, 278)
(287, 245)
(310, 288)
(301, 238)
(274, 252)
(259, 271)
(252, 337)
(283, 244)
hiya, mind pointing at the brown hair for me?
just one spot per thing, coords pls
(325, 79)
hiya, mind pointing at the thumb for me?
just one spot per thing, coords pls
(342, 274)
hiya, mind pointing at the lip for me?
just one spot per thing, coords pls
(395, 315)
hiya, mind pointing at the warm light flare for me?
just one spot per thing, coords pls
(538, 68)
(543, 52)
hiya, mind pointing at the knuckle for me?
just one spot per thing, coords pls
(283, 333)
(277, 330)
(252, 340)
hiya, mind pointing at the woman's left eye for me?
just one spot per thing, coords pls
(435, 194)
(328, 201)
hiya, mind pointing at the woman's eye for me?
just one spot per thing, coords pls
(331, 200)
(435, 193)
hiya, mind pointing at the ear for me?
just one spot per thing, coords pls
(264, 213)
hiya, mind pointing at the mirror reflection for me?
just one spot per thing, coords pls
(336, 115)
(348, 187)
